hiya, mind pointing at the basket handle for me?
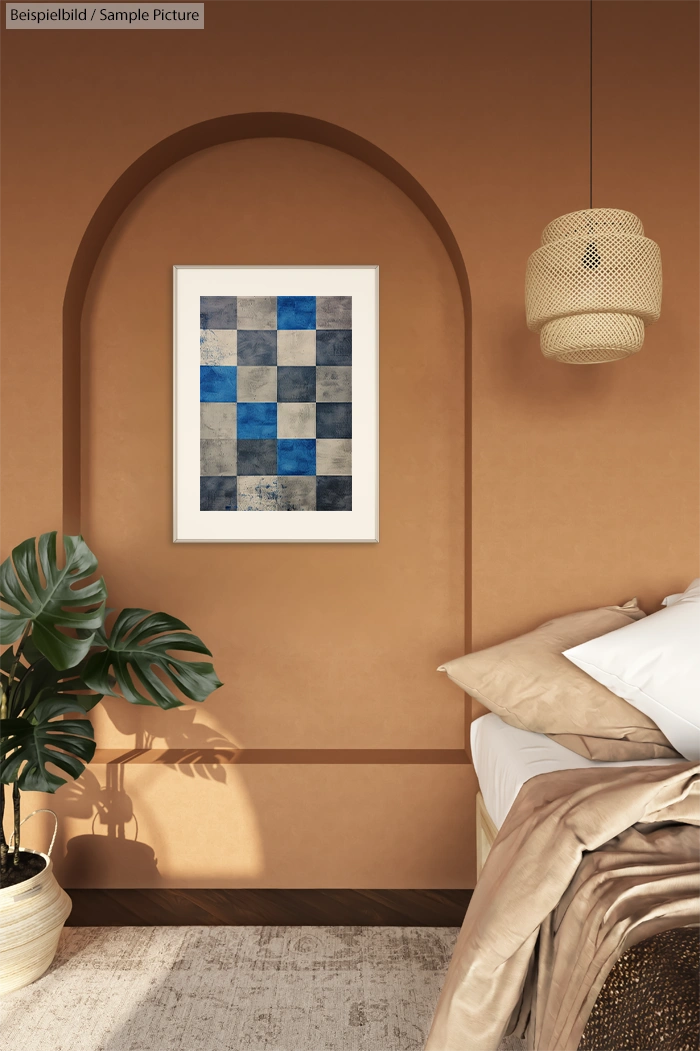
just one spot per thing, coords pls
(41, 810)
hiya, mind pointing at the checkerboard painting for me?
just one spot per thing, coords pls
(276, 404)
(275, 395)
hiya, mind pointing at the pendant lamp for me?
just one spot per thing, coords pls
(595, 282)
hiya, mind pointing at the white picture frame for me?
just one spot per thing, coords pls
(257, 505)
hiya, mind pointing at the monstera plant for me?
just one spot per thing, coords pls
(62, 659)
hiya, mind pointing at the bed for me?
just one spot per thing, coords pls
(582, 932)
(504, 758)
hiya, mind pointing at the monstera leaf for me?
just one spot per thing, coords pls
(37, 679)
(27, 746)
(141, 642)
(54, 603)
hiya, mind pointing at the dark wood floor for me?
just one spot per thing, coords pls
(176, 908)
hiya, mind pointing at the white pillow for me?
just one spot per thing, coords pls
(654, 664)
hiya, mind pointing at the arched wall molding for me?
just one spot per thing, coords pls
(151, 164)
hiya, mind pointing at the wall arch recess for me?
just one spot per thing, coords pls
(281, 713)
(148, 167)
(155, 161)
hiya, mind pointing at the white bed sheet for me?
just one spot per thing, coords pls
(506, 757)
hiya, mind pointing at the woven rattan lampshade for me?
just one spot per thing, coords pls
(593, 286)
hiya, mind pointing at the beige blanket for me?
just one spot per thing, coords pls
(587, 863)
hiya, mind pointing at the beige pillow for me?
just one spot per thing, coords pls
(531, 685)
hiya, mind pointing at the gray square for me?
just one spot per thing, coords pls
(296, 419)
(333, 383)
(257, 456)
(258, 347)
(218, 456)
(217, 311)
(217, 419)
(334, 456)
(257, 492)
(217, 493)
(257, 312)
(331, 311)
(296, 383)
(333, 347)
(296, 493)
(218, 346)
(257, 383)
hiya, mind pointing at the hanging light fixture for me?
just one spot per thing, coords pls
(595, 282)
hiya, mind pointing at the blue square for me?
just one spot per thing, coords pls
(217, 383)
(257, 419)
(296, 456)
(298, 312)
(218, 312)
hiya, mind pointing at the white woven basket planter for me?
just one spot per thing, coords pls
(32, 915)
(593, 286)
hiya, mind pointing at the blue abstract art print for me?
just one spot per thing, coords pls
(286, 399)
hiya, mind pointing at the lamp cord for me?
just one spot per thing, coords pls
(590, 107)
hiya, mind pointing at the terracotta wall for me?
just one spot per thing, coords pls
(583, 481)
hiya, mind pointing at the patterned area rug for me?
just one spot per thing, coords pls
(233, 989)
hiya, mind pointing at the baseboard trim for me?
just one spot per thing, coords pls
(265, 907)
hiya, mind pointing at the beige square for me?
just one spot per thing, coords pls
(296, 347)
(218, 346)
(217, 419)
(257, 383)
(257, 492)
(334, 383)
(218, 456)
(257, 312)
(296, 419)
(333, 456)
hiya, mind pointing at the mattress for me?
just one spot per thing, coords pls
(505, 758)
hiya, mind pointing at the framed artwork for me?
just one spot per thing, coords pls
(276, 404)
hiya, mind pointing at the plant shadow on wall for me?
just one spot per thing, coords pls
(61, 660)
(116, 849)
(113, 844)
(204, 746)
